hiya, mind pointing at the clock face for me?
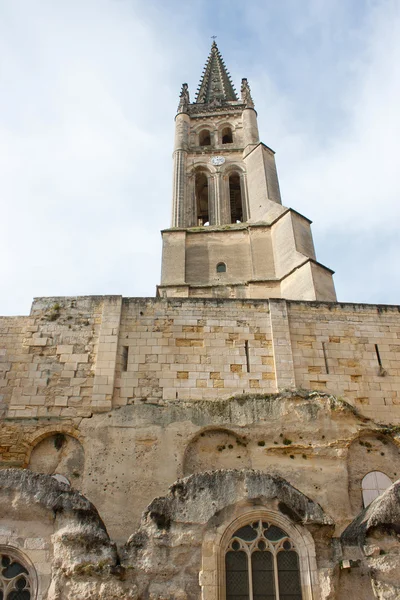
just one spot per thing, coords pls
(217, 160)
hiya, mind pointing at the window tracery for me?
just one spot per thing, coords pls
(15, 580)
(262, 563)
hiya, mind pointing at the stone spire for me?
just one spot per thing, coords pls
(215, 85)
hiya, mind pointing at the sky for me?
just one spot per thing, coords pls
(89, 94)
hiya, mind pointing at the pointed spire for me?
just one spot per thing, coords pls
(215, 84)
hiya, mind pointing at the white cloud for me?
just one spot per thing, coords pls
(86, 132)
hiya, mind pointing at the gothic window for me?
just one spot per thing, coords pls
(373, 485)
(227, 137)
(201, 191)
(262, 563)
(15, 581)
(221, 267)
(204, 138)
(235, 198)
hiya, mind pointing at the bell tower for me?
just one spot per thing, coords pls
(230, 236)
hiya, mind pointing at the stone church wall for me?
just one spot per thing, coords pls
(67, 359)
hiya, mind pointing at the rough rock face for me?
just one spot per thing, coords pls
(81, 547)
(197, 498)
(374, 539)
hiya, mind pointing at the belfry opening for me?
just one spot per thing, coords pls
(202, 198)
(235, 198)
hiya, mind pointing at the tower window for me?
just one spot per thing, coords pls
(221, 267)
(262, 562)
(205, 138)
(235, 198)
(373, 485)
(227, 137)
(201, 190)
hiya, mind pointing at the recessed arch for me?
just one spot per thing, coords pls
(216, 448)
(367, 453)
(58, 453)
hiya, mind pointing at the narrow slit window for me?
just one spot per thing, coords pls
(382, 371)
(221, 267)
(246, 351)
(125, 354)
(325, 358)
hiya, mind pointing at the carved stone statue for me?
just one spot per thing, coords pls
(246, 94)
(184, 99)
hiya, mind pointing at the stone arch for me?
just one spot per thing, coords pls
(217, 542)
(203, 194)
(371, 451)
(16, 556)
(198, 510)
(215, 448)
(59, 453)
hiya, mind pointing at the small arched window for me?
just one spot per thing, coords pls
(221, 267)
(61, 478)
(205, 138)
(16, 581)
(227, 137)
(262, 562)
(373, 485)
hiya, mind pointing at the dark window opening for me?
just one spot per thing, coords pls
(227, 137)
(201, 190)
(221, 267)
(125, 353)
(267, 558)
(235, 199)
(205, 138)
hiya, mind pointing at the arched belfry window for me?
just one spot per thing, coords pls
(235, 198)
(17, 581)
(205, 138)
(373, 485)
(227, 136)
(262, 563)
(202, 198)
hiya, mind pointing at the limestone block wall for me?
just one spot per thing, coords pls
(48, 359)
(201, 349)
(75, 356)
(350, 350)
